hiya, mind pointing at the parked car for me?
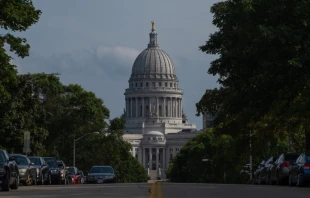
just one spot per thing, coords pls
(63, 172)
(43, 170)
(264, 176)
(299, 174)
(257, 171)
(27, 170)
(83, 178)
(9, 175)
(101, 174)
(279, 172)
(55, 171)
(75, 175)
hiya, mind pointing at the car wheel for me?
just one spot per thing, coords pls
(290, 180)
(299, 183)
(42, 179)
(28, 180)
(6, 182)
(34, 179)
(16, 183)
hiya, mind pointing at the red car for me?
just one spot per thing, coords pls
(75, 175)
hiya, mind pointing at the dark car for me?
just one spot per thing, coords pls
(55, 171)
(9, 177)
(63, 172)
(43, 170)
(279, 172)
(264, 176)
(83, 178)
(27, 170)
(101, 174)
(300, 171)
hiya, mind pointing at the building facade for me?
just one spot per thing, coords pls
(156, 124)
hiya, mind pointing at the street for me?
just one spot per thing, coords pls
(158, 190)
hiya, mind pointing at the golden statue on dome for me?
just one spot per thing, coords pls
(153, 26)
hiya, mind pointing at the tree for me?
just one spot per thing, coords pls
(189, 166)
(263, 62)
(15, 15)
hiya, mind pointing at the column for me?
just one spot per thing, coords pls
(143, 157)
(177, 107)
(136, 98)
(157, 107)
(171, 115)
(180, 107)
(134, 152)
(143, 107)
(157, 158)
(150, 109)
(131, 107)
(164, 159)
(127, 113)
(150, 160)
(164, 108)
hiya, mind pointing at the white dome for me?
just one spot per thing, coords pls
(153, 63)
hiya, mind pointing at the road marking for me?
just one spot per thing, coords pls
(152, 191)
(159, 195)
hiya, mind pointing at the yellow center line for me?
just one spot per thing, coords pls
(152, 195)
(159, 190)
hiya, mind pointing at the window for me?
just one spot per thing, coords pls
(147, 84)
(159, 84)
(153, 83)
(166, 84)
(136, 84)
(174, 85)
(170, 84)
(141, 84)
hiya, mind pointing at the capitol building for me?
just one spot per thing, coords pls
(156, 125)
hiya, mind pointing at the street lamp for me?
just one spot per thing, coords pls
(77, 140)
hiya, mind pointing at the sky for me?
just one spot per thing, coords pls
(95, 42)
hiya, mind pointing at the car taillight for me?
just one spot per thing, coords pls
(306, 166)
(285, 164)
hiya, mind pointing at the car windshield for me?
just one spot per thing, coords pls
(35, 160)
(71, 170)
(51, 162)
(21, 160)
(101, 169)
(2, 159)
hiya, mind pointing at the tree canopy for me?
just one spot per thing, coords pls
(263, 65)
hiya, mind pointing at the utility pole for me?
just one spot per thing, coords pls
(250, 155)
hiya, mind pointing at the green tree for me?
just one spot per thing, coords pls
(263, 63)
(15, 15)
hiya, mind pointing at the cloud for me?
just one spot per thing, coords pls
(110, 62)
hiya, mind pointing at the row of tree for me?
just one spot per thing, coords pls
(263, 73)
(53, 113)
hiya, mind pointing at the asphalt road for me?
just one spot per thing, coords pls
(158, 190)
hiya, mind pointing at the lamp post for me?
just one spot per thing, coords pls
(77, 140)
(250, 155)
(209, 160)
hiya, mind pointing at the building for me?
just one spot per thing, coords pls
(156, 124)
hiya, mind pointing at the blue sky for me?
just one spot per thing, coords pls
(95, 42)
